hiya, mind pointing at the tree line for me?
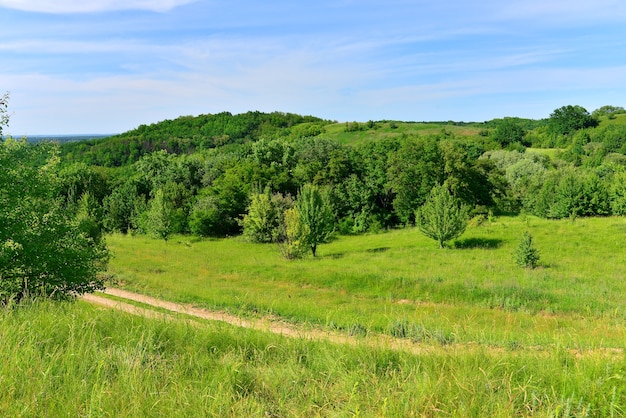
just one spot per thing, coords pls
(280, 178)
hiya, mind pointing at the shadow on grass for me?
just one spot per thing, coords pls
(378, 250)
(469, 243)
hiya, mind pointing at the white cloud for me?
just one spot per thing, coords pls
(91, 6)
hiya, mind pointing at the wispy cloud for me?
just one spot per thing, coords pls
(73, 71)
(91, 6)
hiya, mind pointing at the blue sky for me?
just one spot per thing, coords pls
(107, 66)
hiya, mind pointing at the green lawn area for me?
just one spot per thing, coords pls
(473, 293)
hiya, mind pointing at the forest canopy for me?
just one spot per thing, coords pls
(200, 175)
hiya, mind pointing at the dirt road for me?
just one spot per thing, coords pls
(276, 326)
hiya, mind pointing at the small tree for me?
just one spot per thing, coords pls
(158, 217)
(293, 235)
(442, 217)
(265, 215)
(316, 213)
(526, 254)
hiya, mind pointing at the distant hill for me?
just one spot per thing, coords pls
(187, 134)
(65, 138)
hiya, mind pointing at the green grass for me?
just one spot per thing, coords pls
(396, 129)
(472, 294)
(492, 339)
(72, 359)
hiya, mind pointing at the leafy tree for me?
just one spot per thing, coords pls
(265, 215)
(316, 214)
(443, 217)
(414, 169)
(89, 216)
(157, 221)
(293, 235)
(568, 119)
(509, 132)
(609, 111)
(122, 207)
(526, 255)
(43, 251)
(207, 218)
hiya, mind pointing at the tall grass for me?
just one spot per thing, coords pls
(71, 359)
(473, 293)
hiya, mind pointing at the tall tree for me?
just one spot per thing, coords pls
(567, 119)
(158, 222)
(43, 251)
(413, 170)
(316, 213)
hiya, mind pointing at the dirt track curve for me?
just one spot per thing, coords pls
(275, 326)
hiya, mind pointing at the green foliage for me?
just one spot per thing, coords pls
(185, 135)
(88, 217)
(526, 255)
(43, 249)
(316, 214)
(207, 219)
(293, 235)
(265, 216)
(509, 132)
(123, 207)
(570, 193)
(158, 219)
(609, 111)
(414, 169)
(568, 119)
(442, 217)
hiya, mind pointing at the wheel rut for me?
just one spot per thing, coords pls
(276, 326)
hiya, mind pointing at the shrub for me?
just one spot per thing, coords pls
(526, 254)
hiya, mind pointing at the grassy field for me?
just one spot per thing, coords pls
(502, 340)
(72, 359)
(395, 129)
(379, 283)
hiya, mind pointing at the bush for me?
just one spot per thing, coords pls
(526, 254)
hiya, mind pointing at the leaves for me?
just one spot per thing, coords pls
(442, 217)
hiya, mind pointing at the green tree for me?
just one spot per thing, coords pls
(293, 235)
(568, 119)
(157, 221)
(265, 215)
(207, 218)
(413, 170)
(509, 132)
(43, 251)
(316, 214)
(443, 217)
(526, 255)
(609, 111)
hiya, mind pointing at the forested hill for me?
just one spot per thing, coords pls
(187, 134)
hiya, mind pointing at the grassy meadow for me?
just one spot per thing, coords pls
(401, 282)
(72, 359)
(501, 340)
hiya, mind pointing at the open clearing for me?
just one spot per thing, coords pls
(275, 326)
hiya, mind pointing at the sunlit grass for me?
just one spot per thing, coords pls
(473, 293)
(71, 359)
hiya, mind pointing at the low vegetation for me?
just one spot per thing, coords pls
(73, 359)
(220, 210)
